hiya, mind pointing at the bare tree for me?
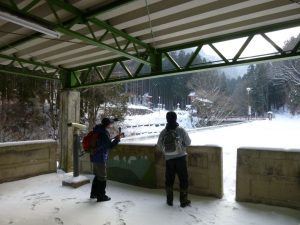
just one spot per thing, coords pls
(104, 101)
(286, 72)
(211, 102)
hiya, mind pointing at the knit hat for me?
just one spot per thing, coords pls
(171, 117)
(106, 121)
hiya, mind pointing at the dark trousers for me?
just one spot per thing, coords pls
(99, 182)
(177, 166)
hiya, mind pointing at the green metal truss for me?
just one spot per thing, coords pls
(190, 67)
(92, 24)
(30, 68)
(144, 63)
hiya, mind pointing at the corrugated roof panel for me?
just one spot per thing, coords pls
(172, 23)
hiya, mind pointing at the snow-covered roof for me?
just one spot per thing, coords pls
(192, 94)
(130, 106)
(204, 100)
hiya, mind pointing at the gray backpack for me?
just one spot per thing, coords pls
(172, 143)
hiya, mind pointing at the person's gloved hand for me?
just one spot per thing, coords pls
(119, 136)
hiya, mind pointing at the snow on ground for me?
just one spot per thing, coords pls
(43, 200)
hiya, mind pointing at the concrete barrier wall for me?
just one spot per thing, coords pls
(27, 158)
(205, 171)
(130, 163)
(269, 176)
(143, 165)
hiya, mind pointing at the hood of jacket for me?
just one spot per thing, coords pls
(172, 126)
(99, 129)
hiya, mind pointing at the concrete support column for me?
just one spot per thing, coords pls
(69, 112)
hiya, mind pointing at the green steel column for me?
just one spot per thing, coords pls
(156, 62)
(68, 78)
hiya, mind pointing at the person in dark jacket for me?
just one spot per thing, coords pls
(99, 159)
(175, 161)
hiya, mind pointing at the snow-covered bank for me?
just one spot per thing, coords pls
(42, 200)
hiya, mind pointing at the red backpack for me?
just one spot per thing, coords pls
(89, 142)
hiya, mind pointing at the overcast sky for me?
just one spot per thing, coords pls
(257, 46)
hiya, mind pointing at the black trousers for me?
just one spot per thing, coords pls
(99, 182)
(177, 166)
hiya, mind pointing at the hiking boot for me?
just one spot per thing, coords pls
(92, 196)
(184, 201)
(169, 193)
(103, 198)
(94, 188)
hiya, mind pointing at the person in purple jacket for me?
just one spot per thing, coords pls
(99, 159)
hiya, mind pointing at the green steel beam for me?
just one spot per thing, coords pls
(193, 56)
(272, 43)
(100, 63)
(156, 59)
(72, 78)
(297, 47)
(27, 73)
(80, 16)
(95, 11)
(105, 26)
(157, 70)
(68, 78)
(248, 33)
(174, 63)
(102, 45)
(219, 53)
(197, 69)
(98, 22)
(244, 46)
(30, 5)
(32, 62)
(39, 69)
(119, 33)
(125, 68)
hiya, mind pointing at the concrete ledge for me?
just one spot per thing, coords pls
(24, 159)
(205, 166)
(75, 182)
(269, 176)
(143, 165)
(131, 164)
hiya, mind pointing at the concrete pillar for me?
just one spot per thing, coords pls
(69, 112)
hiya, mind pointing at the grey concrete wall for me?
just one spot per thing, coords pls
(128, 163)
(143, 165)
(269, 176)
(205, 171)
(69, 112)
(25, 159)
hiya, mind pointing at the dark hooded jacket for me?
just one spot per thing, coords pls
(104, 144)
